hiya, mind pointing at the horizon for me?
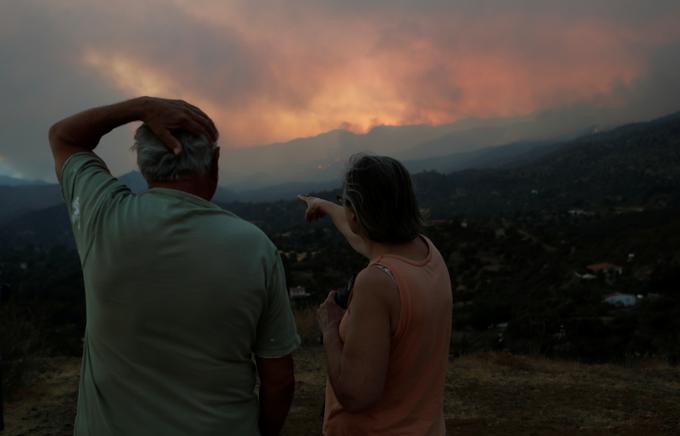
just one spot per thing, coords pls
(275, 73)
(242, 188)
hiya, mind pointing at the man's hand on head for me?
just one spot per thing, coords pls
(163, 115)
(82, 131)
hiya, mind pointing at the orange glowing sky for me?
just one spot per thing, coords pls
(273, 70)
(320, 72)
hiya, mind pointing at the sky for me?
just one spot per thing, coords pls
(272, 70)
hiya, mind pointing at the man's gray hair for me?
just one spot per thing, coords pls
(158, 163)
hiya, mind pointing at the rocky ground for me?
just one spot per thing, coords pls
(486, 394)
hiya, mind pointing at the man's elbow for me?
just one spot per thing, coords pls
(54, 135)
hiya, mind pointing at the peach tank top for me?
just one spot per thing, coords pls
(412, 401)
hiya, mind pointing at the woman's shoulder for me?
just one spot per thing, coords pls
(377, 280)
(378, 293)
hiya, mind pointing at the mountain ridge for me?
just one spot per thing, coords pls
(633, 166)
(16, 181)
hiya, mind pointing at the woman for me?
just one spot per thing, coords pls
(387, 353)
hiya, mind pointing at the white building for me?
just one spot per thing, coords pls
(586, 276)
(621, 300)
(298, 292)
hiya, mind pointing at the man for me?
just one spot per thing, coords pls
(184, 300)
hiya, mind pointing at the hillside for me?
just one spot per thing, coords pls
(636, 165)
(632, 166)
(45, 227)
(516, 239)
(507, 155)
(18, 200)
(321, 158)
(13, 181)
(487, 394)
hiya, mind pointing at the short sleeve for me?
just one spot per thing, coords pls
(88, 189)
(276, 332)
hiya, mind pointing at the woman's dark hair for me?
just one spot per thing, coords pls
(380, 191)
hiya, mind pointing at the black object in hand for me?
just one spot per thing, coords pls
(342, 295)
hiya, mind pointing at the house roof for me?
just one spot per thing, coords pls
(604, 266)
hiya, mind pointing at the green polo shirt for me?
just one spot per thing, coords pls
(180, 297)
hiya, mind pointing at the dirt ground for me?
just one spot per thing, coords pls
(486, 394)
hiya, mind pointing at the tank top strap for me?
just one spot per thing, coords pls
(384, 268)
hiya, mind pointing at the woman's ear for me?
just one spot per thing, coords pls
(352, 220)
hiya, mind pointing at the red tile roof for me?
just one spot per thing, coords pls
(604, 266)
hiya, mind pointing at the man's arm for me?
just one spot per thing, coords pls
(276, 339)
(277, 385)
(82, 131)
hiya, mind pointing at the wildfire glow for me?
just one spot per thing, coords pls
(357, 75)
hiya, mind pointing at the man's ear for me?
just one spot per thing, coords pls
(215, 166)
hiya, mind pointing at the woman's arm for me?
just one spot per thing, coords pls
(357, 368)
(318, 208)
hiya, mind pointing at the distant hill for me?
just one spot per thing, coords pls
(630, 168)
(284, 191)
(35, 197)
(135, 181)
(323, 157)
(18, 200)
(315, 159)
(633, 167)
(14, 181)
(45, 227)
(516, 233)
(490, 157)
(637, 165)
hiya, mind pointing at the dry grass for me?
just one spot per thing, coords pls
(47, 406)
(486, 394)
(22, 339)
(505, 394)
(307, 325)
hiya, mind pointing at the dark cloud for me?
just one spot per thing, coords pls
(43, 76)
(39, 84)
